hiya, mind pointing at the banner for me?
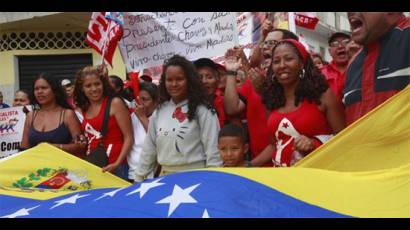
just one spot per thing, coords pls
(250, 24)
(11, 130)
(151, 37)
(104, 33)
(306, 20)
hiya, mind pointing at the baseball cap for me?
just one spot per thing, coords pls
(146, 78)
(205, 62)
(337, 35)
(220, 67)
(65, 82)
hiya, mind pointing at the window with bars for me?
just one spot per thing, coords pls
(42, 40)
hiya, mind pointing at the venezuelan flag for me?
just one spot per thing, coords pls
(379, 140)
(363, 172)
(45, 171)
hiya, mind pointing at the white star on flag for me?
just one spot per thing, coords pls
(178, 197)
(110, 194)
(70, 200)
(145, 187)
(205, 215)
(21, 212)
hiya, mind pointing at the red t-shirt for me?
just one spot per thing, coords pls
(307, 120)
(335, 79)
(257, 120)
(113, 139)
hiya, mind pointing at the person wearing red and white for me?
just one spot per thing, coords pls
(382, 67)
(246, 98)
(334, 71)
(303, 111)
(92, 91)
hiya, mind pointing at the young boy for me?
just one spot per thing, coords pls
(232, 146)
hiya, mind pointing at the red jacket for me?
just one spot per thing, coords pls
(379, 71)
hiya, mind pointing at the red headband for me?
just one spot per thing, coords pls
(300, 47)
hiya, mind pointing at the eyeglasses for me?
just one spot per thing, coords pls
(337, 43)
(270, 43)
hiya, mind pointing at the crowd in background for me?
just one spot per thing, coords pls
(270, 110)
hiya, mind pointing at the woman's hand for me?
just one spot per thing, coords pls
(111, 167)
(140, 111)
(303, 144)
(232, 61)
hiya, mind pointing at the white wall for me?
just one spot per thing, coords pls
(315, 40)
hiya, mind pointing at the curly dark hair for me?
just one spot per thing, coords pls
(196, 93)
(55, 85)
(311, 86)
(79, 97)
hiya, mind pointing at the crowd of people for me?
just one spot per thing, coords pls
(270, 110)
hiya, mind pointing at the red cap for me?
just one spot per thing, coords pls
(146, 78)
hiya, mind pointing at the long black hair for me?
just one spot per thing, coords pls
(55, 85)
(196, 93)
(311, 86)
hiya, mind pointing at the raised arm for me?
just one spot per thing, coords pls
(232, 104)
(256, 55)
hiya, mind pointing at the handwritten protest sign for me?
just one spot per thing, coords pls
(11, 130)
(151, 37)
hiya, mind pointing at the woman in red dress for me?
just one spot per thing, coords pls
(92, 90)
(303, 111)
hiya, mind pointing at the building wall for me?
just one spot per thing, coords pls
(36, 22)
(329, 22)
(9, 81)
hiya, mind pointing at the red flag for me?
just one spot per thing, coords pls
(135, 85)
(306, 20)
(103, 35)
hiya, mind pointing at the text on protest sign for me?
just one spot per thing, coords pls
(11, 130)
(151, 37)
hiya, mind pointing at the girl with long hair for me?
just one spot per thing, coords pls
(182, 132)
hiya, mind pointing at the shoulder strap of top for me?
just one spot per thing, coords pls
(61, 116)
(104, 128)
(35, 111)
